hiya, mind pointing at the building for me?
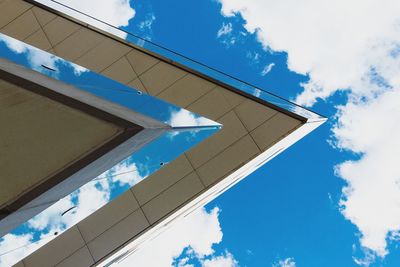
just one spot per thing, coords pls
(256, 126)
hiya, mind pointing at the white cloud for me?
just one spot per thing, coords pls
(78, 70)
(288, 262)
(9, 248)
(335, 42)
(90, 198)
(15, 247)
(225, 29)
(198, 231)
(372, 197)
(226, 260)
(52, 220)
(352, 46)
(146, 28)
(226, 36)
(114, 12)
(185, 118)
(79, 204)
(38, 58)
(147, 23)
(254, 57)
(267, 69)
(35, 57)
(123, 173)
(51, 217)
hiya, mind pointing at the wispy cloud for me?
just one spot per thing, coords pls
(351, 47)
(226, 29)
(146, 26)
(226, 35)
(254, 57)
(288, 262)
(267, 69)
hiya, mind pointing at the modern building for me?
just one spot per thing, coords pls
(63, 125)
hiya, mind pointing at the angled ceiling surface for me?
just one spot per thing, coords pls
(257, 126)
(62, 128)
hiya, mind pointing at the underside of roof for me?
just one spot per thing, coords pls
(256, 126)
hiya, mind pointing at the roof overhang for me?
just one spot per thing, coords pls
(57, 136)
(257, 127)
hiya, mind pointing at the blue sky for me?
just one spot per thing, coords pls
(332, 199)
(282, 212)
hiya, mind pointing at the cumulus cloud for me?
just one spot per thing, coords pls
(351, 46)
(335, 42)
(185, 118)
(124, 173)
(197, 232)
(372, 197)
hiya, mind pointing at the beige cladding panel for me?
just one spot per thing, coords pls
(213, 105)
(59, 29)
(274, 129)
(186, 90)
(63, 246)
(33, 128)
(11, 9)
(253, 114)
(140, 61)
(80, 258)
(229, 160)
(39, 40)
(43, 16)
(234, 99)
(138, 85)
(173, 197)
(106, 217)
(231, 131)
(78, 44)
(161, 76)
(120, 71)
(162, 179)
(121, 232)
(22, 26)
(106, 53)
